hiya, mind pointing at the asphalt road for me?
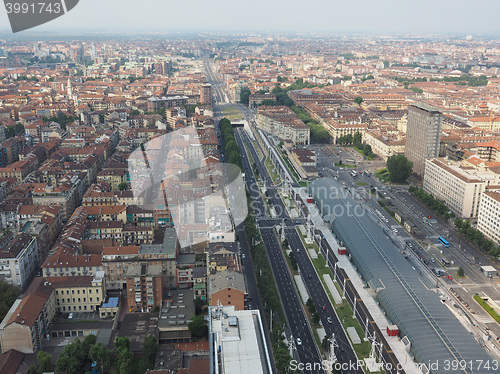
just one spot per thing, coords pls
(344, 352)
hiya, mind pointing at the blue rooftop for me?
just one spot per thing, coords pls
(112, 302)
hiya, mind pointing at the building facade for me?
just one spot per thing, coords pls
(422, 135)
(18, 260)
(488, 220)
(460, 189)
(79, 293)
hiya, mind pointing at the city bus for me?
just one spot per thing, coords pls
(444, 241)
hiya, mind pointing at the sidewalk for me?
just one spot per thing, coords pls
(397, 347)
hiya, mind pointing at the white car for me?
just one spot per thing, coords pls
(299, 341)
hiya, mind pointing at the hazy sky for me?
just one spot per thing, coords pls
(417, 16)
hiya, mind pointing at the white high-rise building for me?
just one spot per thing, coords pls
(488, 221)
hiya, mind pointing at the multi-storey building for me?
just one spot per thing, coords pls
(144, 287)
(18, 260)
(79, 293)
(488, 220)
(282, 122)
(206, 94)
(422, 135)
(27, 323)
(227, 287)
(460, 188)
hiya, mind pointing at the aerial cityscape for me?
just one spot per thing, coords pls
(223, 200)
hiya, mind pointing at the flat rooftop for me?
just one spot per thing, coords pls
(238, 333)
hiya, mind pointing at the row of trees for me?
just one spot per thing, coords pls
(263, 272)
(356, 141)
(282, 357)
(231, 149)
(477, 237)
(433, 203)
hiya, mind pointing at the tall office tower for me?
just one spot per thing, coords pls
(422, 135)
(206, 94)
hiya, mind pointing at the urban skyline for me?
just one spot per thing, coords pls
(387, 16)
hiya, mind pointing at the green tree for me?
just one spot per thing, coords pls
(197, 327)
(149, 350)
(244, 96)
(8, 294)
(198, 304)
(367, 150)
(358, 100)
(348, 139)
(122, 344)
(461, 272)
(123, 186)
(315, 318)
(33, 369)
(399, 168)
(325, 343)
(105, 357)
(356, 140)
(44, 361)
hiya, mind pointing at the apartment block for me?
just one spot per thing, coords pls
(27, 323)
(282, 122)
(488, 220)
(79, 293)
(227, 287)
(144, 287)
(18, 260)
(460, 188)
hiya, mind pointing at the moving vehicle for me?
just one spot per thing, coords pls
(445, 262)
(299, 341)
(444, 241)
(329, 320)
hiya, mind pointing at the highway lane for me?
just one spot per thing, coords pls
(307, 352)
(292, 305)
(344, 352)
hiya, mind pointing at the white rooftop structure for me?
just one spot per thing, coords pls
(237, 342)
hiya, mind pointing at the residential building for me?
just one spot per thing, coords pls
(144, 287)
(338, 129)
(458, 187)
(19, 260)
(206, 94)
(488, 220)
(227, 287)
(199, 275)
(27, 323)
(422, 135)
(83, 293)
(385, 144)
(282, 122)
